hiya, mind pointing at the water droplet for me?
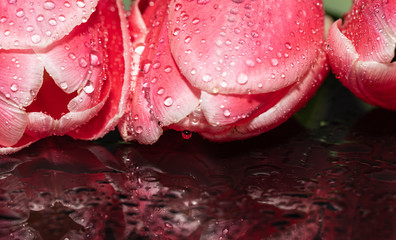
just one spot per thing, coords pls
(242, 78)
(176, 31)
(20, 13)
(14, 87)
(288, 45)
(94, 59)
(82, 62)
(49, 5)
(80, 4)
(35, 38)
(250, 63)
(160, 91)
(139, 129)
(52, 22)
(63, 85)
(156, 65)
(67, 4)
(72, 56)
(62, 18)
(168, 69)
(186, 134)
(89, 88)
(29, 28)
(207, 78)
(227, 113)
(12, 1)
(193, 71)
(187, 39)
(168, 101)
(195, 21)
(40, 18)
(7, 33)
(274, 62)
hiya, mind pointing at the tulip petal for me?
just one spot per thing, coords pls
(171, 96)
(376, 82)
(294, 99)
(232, 47)
(228, 109)
(118, 73)
(38, 23)
(343, 62)
(72, 62)
(21, 76)
(13, 121)
(139, 123)
(368, 27)
(163, 95)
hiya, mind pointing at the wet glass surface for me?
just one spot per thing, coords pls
(327, 173)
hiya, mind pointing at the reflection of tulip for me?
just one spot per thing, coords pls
(226, 69)
(58, 71)
(361, 49)
(54, 194)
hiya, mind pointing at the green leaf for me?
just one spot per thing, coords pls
(337, 8)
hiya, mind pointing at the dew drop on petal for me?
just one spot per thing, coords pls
(89, 88)
(168, 69)
(139, 129)
(207, 78)
(63, 85)
(20, 13)
(288, 45)
(242, 78)
(62, 18)
(82, 62)
(168, 101)
(94, 59)
(160, 91)
(14, 87)
(40, 18)
(52, 22)
(49, 5)
(227, 113)
(274, 62)
(195, 21)
(35, 38)
(80, 4)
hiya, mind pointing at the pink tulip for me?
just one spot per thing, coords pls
(62, 69)
(226, 69)
(361, 49)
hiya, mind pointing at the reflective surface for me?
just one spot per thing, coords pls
(328, 173)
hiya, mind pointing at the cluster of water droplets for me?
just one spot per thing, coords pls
(38, 21)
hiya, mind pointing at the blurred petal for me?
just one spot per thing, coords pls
(13, 121)
(38, 23)
(234, 47)
(21, 76)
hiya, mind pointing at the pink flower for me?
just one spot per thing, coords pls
(226, 69)
(62, 69)
(361, 49)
